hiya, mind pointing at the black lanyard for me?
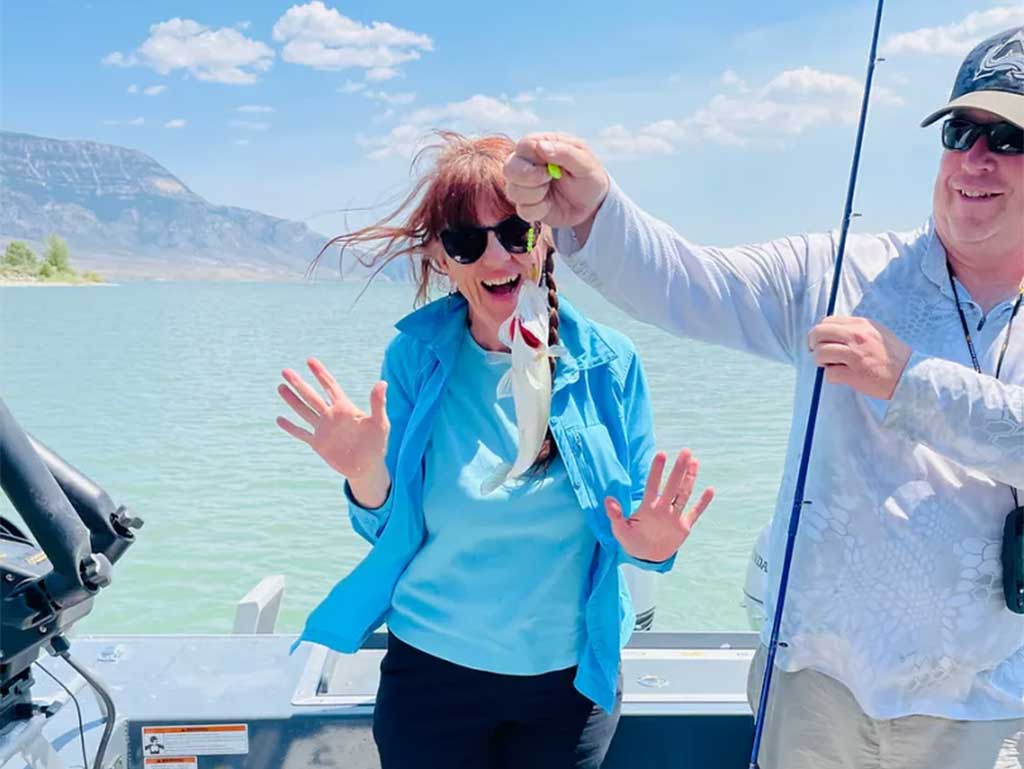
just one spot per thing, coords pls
(970, 342)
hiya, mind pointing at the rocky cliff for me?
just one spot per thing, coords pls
(123, 213)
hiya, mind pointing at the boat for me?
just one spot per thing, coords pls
(187, 701)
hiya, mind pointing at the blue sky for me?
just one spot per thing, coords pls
(733, 120)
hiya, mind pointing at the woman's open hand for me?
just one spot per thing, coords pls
(659, 526)
(348, 439)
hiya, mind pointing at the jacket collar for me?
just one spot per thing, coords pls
(933, 259)
(441, 326)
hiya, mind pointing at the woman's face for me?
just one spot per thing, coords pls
(490, 284)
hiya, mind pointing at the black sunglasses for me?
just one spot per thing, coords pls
(466, 244)
(959, 134)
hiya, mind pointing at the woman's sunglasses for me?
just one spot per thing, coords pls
(959, 134)
(467, 244)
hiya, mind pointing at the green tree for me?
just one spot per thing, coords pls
(20, 257)
(56, 254)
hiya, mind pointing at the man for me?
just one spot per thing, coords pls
(897, 648)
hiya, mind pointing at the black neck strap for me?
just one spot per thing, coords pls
(970, 342)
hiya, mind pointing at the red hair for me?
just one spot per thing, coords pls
(465, 180)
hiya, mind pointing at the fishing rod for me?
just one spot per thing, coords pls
(798, 494)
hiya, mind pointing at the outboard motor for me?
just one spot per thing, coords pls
(643, 590)
(46, 588)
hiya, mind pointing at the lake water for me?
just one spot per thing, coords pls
(164, 394)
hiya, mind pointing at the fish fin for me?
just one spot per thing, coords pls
(505, 385)
(505, 331)
(494, 481)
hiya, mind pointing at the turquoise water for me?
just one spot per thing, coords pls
(164, 394)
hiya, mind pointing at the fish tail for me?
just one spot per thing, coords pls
(505, 385)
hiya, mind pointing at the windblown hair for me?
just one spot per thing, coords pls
(465, 178)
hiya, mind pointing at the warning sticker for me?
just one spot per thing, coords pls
(195, 740)
(173, 762)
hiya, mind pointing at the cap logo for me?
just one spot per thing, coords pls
(1006, 56)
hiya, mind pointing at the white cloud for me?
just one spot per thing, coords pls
(618, 140)
(351, 87)
(732, 80)
(255, 108)
(474, 115)
(131, 121)
(241, 142)
(479, 111)
(155, 90)
(250, 125)
(402, 141)
(381, 74)
(540, 94)
(791, 103)
(118, 59)
(322, 38)
(176, 123)
(394, 99)
(133, 88)
(243, 25)
(955, 39)
(222, 56)
(808, 82)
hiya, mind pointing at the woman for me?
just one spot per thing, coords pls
(506, 611)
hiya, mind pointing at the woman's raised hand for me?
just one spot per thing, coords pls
(351, 441)
(658, 527)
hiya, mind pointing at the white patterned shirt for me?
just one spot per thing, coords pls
(896, 581)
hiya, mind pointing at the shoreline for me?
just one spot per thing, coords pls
(6, 283)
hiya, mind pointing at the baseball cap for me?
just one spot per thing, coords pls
(991, 78)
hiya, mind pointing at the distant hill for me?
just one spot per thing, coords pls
(126, 216)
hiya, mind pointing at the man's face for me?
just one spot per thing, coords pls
(978, 200)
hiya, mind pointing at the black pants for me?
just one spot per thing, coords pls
(434, 714)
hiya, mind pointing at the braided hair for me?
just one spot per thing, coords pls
(549, 449)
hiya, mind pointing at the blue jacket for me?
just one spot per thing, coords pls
(601, 422)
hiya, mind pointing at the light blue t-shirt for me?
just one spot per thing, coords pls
(500, 582)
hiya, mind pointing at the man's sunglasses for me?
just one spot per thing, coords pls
(959, 134)
(467, 244)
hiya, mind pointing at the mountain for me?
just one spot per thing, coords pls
(126, 216)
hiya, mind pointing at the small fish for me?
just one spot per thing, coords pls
(528, 380)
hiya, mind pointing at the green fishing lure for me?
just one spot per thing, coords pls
(555, 172)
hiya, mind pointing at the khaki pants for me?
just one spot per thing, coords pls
(815, 723)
